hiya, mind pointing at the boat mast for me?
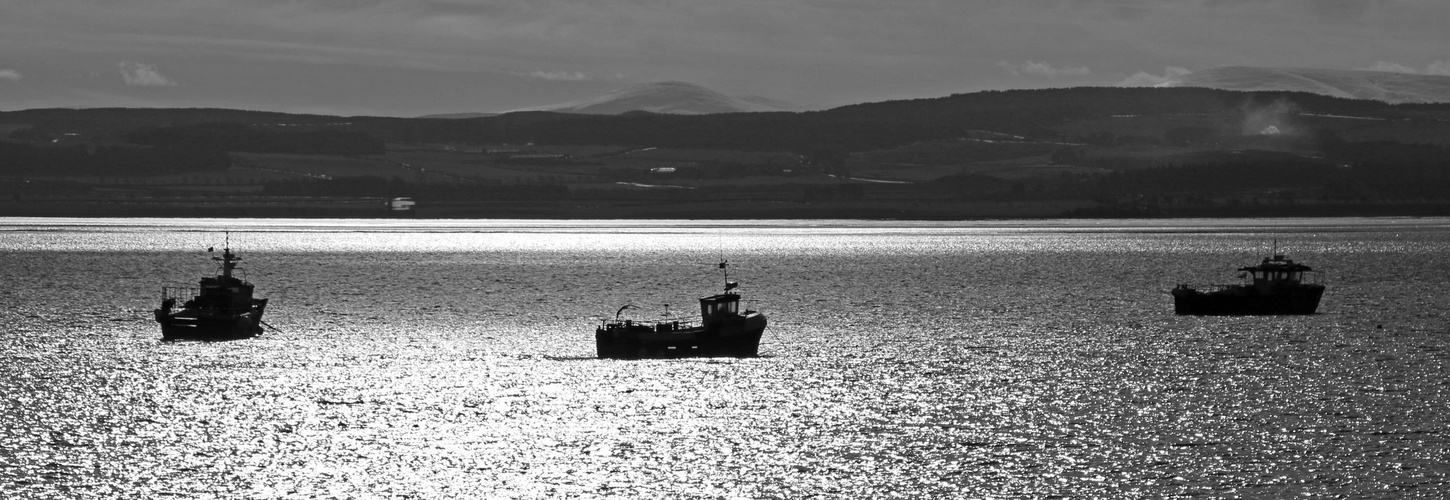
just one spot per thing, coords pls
(229, 259)
(724, 268)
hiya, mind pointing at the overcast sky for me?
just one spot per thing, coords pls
(415, 57)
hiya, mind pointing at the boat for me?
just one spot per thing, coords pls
(220, 308)
(1275, 286)
(723, 331)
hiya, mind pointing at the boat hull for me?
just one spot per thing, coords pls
(193, 325)
(1246, 301)
(740, 340)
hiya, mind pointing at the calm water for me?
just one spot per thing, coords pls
(437, 359)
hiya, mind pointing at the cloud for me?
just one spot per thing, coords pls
(9, 74)
(143, 75)
(1043, 69)
(1392, 67)
(1440, 68)
(1145, 79)
(1340, 9)
(560, 76)
(829, 52)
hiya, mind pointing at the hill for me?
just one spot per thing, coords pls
(1052, 152)
(1377, 85)
(680, 98)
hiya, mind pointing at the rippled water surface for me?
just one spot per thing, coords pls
(438, 359)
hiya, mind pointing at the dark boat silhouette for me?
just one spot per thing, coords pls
(724, 330)
(1276, 286)
(219, 308)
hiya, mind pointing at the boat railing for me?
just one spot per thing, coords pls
(1312, 278)
(662, 325)
(179, 292)
(1209, 287)
(1309, 278)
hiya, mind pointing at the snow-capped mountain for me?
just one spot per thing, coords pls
(667, 97)
(1378, 85)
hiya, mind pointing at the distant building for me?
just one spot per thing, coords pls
(402, 204)
(68, 138)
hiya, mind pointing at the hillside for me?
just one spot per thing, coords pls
(680, 98)
(1085, 151)
(1384, 86)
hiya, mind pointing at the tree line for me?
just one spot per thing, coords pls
(23, 159)
(238, 137)
(372, 186)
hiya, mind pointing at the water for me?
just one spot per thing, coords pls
(438, 359)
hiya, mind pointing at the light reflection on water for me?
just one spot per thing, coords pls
(453, 359)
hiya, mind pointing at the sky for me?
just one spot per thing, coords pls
(420, 57)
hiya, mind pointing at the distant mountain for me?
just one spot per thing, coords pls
(1068, 116)
(679, 98)
(1383, 86)
(460, 116)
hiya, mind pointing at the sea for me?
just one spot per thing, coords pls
(979, 359)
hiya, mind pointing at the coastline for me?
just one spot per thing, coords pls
(346, 208)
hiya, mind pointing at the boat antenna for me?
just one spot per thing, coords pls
(724, 268)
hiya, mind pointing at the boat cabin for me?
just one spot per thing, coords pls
(224, 291)
(1277, 271)
(719, 307)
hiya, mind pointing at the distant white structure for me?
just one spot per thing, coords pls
(401, 204)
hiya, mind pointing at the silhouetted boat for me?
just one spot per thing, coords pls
(723, 331)
(220, 308)
(1276, 287)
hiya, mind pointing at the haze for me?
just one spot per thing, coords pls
(410, 58)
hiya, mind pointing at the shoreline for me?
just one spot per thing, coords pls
(704, 210)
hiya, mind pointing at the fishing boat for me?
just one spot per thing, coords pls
(723, 331)
(1275, 286)
(220, 308)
